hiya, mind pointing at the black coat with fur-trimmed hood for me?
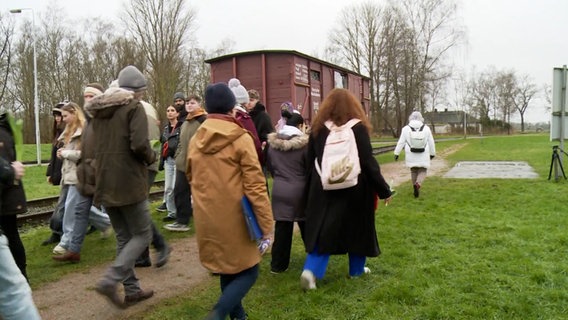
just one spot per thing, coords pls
(286, 162)
(122, 148)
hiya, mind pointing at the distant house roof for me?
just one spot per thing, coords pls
(294, 52)
(449, 117)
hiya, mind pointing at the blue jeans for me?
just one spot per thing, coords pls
(133, 227)
(169, 183)
(84, 213)
(234, 288)
(56, 220)
(15, 296)
(76, 205)
(317, 264)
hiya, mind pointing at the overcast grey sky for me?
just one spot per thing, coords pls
(527, 36)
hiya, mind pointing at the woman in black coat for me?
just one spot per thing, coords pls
(341, 221)
(13, 198)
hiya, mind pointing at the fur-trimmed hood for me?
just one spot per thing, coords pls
(104, 105)
(285, 142)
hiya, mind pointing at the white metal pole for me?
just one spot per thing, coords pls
(36, 101)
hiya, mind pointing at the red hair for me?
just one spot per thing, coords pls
(339, 106)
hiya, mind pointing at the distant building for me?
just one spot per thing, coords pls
(451, 122)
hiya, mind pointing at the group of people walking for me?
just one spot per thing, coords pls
(212, 157)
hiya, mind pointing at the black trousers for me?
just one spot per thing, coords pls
(182, 198)
(9, 225)
(283, 233)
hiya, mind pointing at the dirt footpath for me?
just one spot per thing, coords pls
(74, 297)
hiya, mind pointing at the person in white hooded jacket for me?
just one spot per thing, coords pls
(418, 160)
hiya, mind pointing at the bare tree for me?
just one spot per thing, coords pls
(6, 34)
(505, 87)
(482, 96)
(21, 81)
(401, 46)
(161, 28)
(436, 31)
(525, 91)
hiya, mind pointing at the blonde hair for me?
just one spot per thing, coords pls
(79, 122)
(339, 106)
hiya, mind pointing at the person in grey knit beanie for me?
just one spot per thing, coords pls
(130, 78)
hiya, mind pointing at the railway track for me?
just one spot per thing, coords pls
(39, 210)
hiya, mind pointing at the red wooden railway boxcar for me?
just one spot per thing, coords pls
(288, 75)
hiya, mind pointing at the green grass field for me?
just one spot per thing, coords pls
(466, 249)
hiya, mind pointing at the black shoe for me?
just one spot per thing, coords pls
(91, 230)
(143, 263)
(54, 238)
(168, 219)
(163, 256)
(416, 190)
(162, 207)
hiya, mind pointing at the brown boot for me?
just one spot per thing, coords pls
(134, 298)
(68, 256)
(108, 290)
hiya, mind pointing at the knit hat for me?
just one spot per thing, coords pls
(241, 94)
(295, 120)
(57, 109)
(130, 78)
(219, 98)
(93, 89)
(179, 95)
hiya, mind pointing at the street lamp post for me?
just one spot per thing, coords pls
(36, 101)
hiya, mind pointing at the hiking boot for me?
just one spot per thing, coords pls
(109, 291)
(163, 256)
(162, 207)
(308, 280)
(416, 187)
(59, 250)
(54, 238)
(132, 299)
(68, 256)
(169, 218)
(177, 227)
(143, 263)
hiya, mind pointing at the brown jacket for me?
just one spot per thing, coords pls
(222, 166)
(122, 149)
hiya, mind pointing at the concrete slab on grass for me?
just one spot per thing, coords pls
(492, 169)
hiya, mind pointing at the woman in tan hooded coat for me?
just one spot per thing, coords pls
(222, 166)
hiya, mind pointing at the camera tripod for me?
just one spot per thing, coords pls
(556, 162)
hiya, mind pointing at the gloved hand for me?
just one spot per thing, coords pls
(396, 157)
(431, 157)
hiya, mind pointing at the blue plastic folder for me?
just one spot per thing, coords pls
(250, 218)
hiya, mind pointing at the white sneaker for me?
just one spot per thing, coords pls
(59, 250)
(366, 270)
(308, 280)
(177, 227)
(107, 233)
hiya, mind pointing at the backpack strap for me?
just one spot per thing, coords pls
(417, 129)
(349, 124)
